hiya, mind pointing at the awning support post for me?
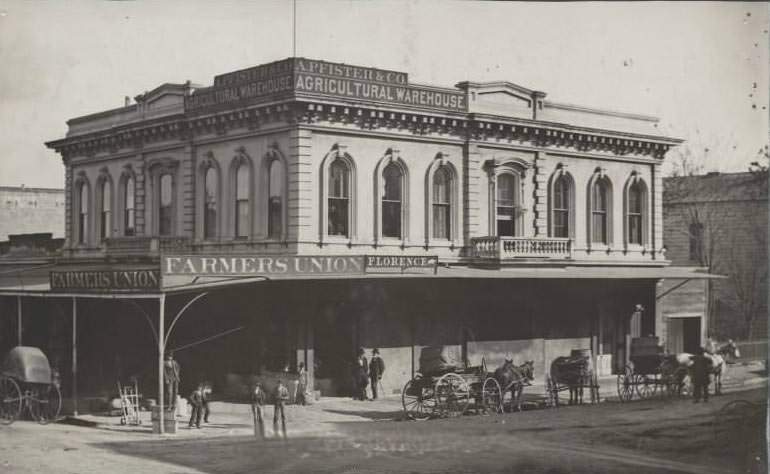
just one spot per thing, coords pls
(18, 317)
(161, 346)
(75, 356)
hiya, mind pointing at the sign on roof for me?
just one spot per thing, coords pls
(308, 77)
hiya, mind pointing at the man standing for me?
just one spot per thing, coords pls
(281, 396)
(376, 369)
(196, 401)
(700, 375)
(206, 396)
(362, 374)
(172, 379)
(257, 402)
(301, 385)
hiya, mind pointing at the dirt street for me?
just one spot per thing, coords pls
(638, 437)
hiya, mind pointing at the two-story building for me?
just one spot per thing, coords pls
(544, 220)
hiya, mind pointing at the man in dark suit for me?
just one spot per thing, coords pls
(376, 369)
(196, 401)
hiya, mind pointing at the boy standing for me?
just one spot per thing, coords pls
(257, 402)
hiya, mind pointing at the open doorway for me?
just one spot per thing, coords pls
(684, 333)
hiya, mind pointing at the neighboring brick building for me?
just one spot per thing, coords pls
(720, 221)
(31, 211)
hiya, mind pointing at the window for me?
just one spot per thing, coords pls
(83, 214)
(166, 203)
(129, 212)
(506, 205)
(339, 198)
(106, 217)
(275, 200)
(391, 201)
(560, 207)
(242, 208)
(696, 242)
(634, 215)
(210, 204)
(599, 206)
(442, 189)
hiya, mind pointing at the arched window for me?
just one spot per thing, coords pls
(166, 205)
(242, 207)
(129, 209)
(391, 201)
(210, 204)
(560, 207)
(106, 210)
(442, 204)
(339, 198)
(507, 205)
(599, 212)
(275, 200)
(83, 213)
(635, 207)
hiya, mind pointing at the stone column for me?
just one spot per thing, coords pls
(68, 205)
(540, 194)
(143, 215)
(302, 194)
(186, 207)
(471, 199)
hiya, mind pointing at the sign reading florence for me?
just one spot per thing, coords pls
(312, 77)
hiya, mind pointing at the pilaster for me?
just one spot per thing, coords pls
(471, 192)
(68, 205)
(140, 197)
(301, 191)
(187, 183)
(540, 194)
(657, 211)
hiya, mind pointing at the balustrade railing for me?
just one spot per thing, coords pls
(146, 245)
(503, 248)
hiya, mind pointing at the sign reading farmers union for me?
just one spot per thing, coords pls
(312, 77)
(267, 265)
(98, 280)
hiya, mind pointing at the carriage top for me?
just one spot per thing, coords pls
(439, 360)
(27, 364)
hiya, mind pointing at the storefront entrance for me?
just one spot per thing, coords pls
(684, 334)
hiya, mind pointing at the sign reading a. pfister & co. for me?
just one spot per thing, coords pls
(106, 280)
(287, 265)
(310, 77)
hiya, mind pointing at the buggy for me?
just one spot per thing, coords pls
(651, 372)
(26, 384)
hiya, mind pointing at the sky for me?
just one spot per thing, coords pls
(701, 67)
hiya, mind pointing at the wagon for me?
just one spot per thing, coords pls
(26, 385)
(449, 389)
(650, 372)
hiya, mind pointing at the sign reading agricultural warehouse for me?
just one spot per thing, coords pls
(98, 280)
(267, 265)
(309, 77)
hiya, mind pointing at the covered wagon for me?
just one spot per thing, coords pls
(26, 384)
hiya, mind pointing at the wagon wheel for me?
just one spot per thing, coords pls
(492, 396)
(418, 400)
(10, 400)
(626, 385)
(45, 403)
(646, 386)
(452, 395)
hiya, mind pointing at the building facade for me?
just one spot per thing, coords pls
(719, 221)
(545, 218)
(26, 210)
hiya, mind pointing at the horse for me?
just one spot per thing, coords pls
(718, 362)
(575, 373)
(514, 378)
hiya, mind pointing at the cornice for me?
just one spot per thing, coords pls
(483, 128)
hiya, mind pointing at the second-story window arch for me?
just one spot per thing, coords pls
(339, 197)
(242, 199)
(600, 209)
(210, 195)
(166, 204)
(275, 199)
(636, 211)
(442, 203)
(506, 195)
(561, 199)
(392, 201)
(105, 207)
(507, 204)
(129, 205)
(82, 204)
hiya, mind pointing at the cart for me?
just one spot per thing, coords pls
(130, 398)
(574, 373)
(651, 372)
(449, 389)
(26, 385)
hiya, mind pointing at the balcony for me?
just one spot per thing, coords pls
(509, 249)
(146, 246)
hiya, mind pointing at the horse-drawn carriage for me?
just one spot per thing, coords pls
(651, 371)
(444, 387)
(26, 385)
(574, 373)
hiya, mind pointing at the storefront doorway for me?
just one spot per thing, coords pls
(684, 333)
